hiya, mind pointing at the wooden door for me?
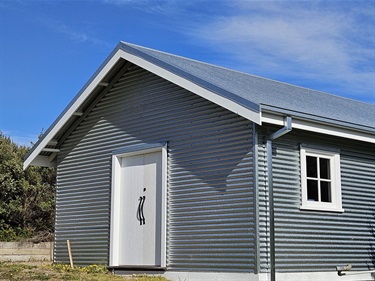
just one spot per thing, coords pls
(140, 210)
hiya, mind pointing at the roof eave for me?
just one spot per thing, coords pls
(317, 124)
(72, 108)
(254, 112)
(122, 51)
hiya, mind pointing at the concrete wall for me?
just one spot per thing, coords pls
(26, 251)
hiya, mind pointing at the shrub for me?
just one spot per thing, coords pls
(27, 196)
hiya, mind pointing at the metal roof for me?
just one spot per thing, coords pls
(248, 95)
(254, 91)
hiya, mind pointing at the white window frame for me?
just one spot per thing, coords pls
(334, 157)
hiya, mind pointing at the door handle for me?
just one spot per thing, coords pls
(139, 210)
(141, 215)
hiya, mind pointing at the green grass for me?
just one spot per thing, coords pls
(61, 272)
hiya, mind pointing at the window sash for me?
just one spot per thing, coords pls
(316, 167)
(328, 183)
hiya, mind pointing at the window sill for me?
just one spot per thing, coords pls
(322, 208)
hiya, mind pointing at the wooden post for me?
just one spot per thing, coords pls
(70, 254)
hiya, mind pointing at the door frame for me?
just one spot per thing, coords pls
(117, 155)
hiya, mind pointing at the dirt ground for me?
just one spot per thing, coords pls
(37, 271)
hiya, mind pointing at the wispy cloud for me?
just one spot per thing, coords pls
(325, 43)
(329, 43)
(73, 34)
(162, 7)
(311, 40)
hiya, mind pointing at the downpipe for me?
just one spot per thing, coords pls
(286, 129)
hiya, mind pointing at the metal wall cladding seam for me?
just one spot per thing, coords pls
(319, 241)
(210, 219)
(263, 207)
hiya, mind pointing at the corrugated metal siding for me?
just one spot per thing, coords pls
(319, 241)
(263, 209)
(210, 222)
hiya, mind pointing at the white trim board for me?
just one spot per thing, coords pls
(194, 88)
(97, 81)
(252, 115)
(72, 110)
(318, 127)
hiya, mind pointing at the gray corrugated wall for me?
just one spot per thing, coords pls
(319, 241)
(263, 210)
(210, 223)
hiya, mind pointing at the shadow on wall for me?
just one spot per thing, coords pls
(142, 113)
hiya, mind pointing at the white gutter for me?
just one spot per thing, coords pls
(320, 127)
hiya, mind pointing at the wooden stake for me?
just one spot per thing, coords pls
(70, 254)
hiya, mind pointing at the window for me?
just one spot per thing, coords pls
(321, 183)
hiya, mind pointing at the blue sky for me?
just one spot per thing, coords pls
(50, 49)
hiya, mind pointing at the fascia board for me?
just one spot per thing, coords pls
(168, 75)
(194, 88)
(71, 109)
(319, 127)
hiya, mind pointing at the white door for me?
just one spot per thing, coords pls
(140, 210)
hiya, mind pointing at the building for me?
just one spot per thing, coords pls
(170, 165)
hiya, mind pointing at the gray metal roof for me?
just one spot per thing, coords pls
(256, 92)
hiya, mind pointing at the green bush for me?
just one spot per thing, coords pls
(14, 234)
(27, 197)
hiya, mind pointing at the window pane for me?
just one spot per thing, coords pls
(312, 190)
(324, 168)
(325, 191)
(311, 167)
